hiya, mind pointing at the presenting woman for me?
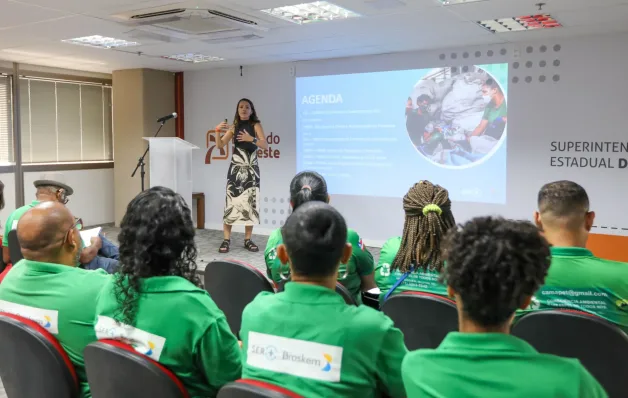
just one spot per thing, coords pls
(243, 178)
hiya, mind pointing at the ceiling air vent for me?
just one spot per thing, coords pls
(158, 14)
(232, 17)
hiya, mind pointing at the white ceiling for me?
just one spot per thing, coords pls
(31, 30)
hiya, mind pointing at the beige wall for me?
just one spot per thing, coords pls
(140, 97)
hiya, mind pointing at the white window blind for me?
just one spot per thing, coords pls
(65, 121)
(6, 120)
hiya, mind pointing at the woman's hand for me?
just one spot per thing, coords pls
(222, 126)
(244, 136)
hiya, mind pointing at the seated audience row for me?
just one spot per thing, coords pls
(306, 338)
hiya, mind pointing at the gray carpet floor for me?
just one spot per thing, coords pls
(207, 243)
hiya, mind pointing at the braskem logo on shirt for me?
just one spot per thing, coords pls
(295, 357)
(328, 358)
(143, 342)
(49, 319)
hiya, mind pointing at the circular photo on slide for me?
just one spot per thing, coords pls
(456, 118)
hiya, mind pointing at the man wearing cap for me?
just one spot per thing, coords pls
(52, 188)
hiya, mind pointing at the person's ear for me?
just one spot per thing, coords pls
(282, 254)
(346, 253)
(525, 303)
(537, 220)
(328, 198)
(291, 205)
(588, 220)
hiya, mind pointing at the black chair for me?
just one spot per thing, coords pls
(233, 285)
(601, 346)
(425, 319)
(370, 300)
(33, 364)
(246, 388)
(115, 369)
(346, 295)
(15, 252)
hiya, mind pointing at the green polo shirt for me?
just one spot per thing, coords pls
(360, 264)
(14, 218)
(60, 298)
(308, 340)
(422, 281)
(496, 365)
(579, 280)
(180, 326)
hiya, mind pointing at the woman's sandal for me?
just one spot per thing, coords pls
(224, 247)
(250, 246)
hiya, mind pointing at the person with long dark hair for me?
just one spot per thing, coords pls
(155, 302)
(356, 274)
(243, 177)
(414, 260)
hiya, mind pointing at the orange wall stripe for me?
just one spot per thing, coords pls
(611, 247)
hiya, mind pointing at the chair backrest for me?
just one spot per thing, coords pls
(425, 319)
(33, 364)
(15, 252)
(599, 345)
(232, 285)
(346, 295)
(246, 388)
(115, 369)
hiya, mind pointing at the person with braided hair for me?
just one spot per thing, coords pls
(356, 275)
(494, 267)
(414, 260)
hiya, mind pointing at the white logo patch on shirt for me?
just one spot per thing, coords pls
(145, 343)
(294, 357)
(48, 319)
(14, 225)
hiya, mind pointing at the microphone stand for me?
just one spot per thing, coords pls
(140, 162)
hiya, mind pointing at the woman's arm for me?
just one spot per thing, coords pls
(224, 140)
(261, 139)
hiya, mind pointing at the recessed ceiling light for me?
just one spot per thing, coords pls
(454, 2)
(193, 57)
(318, 11)
(516, 24)
(101, 42)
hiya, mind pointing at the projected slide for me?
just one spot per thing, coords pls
(376, 134)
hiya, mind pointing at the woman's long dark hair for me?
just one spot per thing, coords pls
(253, 118)
(428, 218)
(307, 186)
(156, 239)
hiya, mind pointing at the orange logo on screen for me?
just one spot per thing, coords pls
(221, 154)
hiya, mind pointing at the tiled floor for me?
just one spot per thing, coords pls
(207, 242)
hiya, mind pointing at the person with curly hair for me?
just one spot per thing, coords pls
(414, 260)
(155, 302)
(356, 275)
(576, 274)
(494, 267)
(307, 338)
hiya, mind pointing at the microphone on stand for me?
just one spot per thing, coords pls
(173, 115)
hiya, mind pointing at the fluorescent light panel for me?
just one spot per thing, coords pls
(318, 11)
(193, 57)
(101, 42)
(517, 24)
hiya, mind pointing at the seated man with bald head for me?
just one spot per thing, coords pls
(48, 287)
(577, 279)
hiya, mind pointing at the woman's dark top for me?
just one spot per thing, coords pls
(248, 126)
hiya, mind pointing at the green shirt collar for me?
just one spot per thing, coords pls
(166, 284)
(51, 268)
(310, 294)
(571, 252)
(485, 342)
